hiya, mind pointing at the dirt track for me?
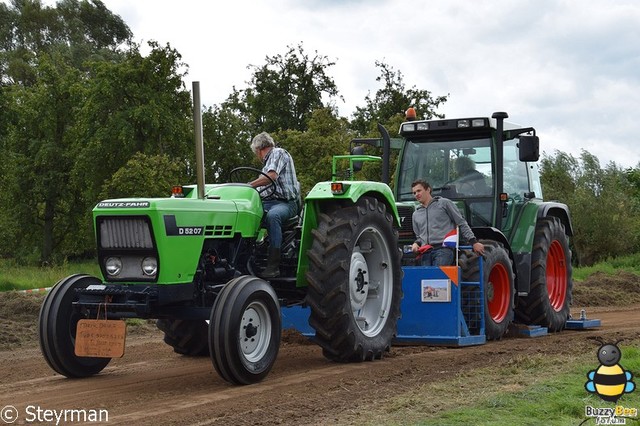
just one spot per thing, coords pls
(153, 385)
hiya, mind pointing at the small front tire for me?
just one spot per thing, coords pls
(57, 329)
(245, 330)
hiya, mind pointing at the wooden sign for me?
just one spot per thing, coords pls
(98, 338)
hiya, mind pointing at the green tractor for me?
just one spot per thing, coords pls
(486, 166)
(193, 262)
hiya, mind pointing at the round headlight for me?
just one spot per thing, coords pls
(149, 266)
(113, 265)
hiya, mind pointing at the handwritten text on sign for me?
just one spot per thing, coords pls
(100, 338)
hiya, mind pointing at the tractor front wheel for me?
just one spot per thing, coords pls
(549, 296)
(244, 330)
(57, 329)
(355, 281)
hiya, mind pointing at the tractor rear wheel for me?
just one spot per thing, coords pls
(190, 338)
(57, 329)
(244, 330)
(499, 286)
(549, 296)
(355, 281)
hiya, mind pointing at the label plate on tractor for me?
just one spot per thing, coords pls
(99, 338)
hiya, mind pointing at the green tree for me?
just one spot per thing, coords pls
(82, 29)
(313, 149)
(226, 141)
(144, 176)
(604, 213)
(392, 100)
(283, 93)
(137, 105)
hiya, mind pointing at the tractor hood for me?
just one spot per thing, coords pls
(175, 228)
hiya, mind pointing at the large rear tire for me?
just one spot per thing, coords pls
(355, 282)
(189, 338)
(245, 330)
(499, 286)
(57, 329)
(549, 298)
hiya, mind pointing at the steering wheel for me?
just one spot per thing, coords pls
(264, 191)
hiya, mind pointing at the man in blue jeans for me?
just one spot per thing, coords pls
(434, 218)
(281, 204)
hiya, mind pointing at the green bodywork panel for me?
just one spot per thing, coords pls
(227, 210)
(522, 234)
(321, 196)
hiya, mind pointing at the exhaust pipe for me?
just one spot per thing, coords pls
(197, 131)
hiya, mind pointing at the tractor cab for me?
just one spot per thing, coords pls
(482, 169)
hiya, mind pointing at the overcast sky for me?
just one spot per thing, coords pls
(571, 69)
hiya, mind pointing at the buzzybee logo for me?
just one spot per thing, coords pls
(610, 380)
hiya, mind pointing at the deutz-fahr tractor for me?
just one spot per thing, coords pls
(486, 166)
(193, 262)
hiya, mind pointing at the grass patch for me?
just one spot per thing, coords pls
(630, 263)
(528, 390)
(20, 277)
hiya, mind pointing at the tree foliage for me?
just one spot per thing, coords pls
(604, 211)
(144, 176)
(392, 100)
(313, 149)
(79, 105)
(283, 93)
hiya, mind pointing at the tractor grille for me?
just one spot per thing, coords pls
(125, 233)
(406, 228)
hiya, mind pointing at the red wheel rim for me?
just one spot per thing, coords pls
(500, 301)
(556, 276)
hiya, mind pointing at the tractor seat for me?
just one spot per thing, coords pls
(295, 220)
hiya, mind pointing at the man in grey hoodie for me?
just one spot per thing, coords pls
(434, 218)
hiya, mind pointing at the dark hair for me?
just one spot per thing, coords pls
(422, 182)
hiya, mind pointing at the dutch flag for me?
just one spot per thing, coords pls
(451, 239)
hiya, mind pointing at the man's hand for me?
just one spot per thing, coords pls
(415, 247)
(479, 248)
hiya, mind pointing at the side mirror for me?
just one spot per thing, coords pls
(357, 150)
(529, 148)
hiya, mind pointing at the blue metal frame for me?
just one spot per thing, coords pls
(456, 321)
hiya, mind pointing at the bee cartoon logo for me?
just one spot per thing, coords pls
(609, 381)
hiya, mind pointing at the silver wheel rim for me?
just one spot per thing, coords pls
(255, 332)
(370, 281)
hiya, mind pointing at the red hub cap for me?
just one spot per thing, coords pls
(499, 293)
(556, 276)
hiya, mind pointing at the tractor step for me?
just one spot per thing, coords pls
(582, 324)
(523, 330)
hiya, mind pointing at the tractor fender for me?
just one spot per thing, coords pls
(559, 210)
(322, 200)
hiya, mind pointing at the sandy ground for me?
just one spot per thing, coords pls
(151, 385)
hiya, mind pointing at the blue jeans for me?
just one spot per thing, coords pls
(278, 212)
(442, 256)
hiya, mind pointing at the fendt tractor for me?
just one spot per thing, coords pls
(193, 260)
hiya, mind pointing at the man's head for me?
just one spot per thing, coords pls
(422, 191)
(464, 165)
(261, 142)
